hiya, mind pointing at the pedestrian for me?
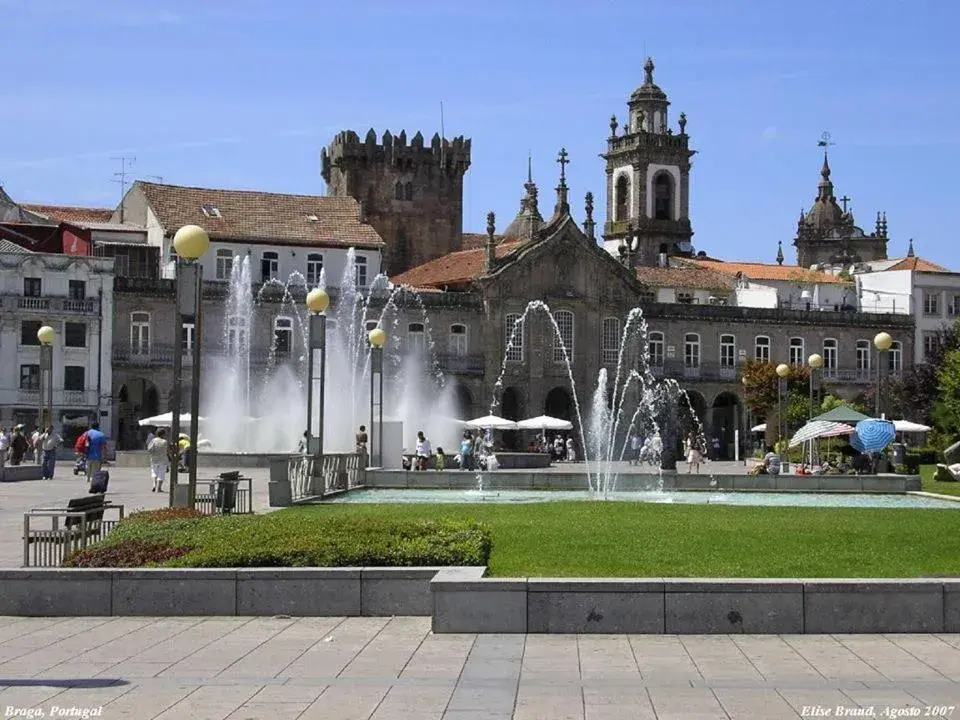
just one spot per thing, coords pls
(48, 443)
(362, 440)
(4, 445)
(18, 445)
(571, 453)
(466, 451)
(692, 452)
(35, 445)
(441, 459)
(636, 442)
(157, 451)
(423, 450)
(95, 443)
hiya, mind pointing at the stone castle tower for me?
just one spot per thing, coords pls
(411, 193)
(648, 178)
(828, 235)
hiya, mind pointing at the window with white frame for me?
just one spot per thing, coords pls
(931, 302)
(953, 306)
(655, 347)
(140, 333)
(236, 335)
(563, 339)
(416, 342)
(863, 358)
(830, 356)
(895, 354)
(691, 350)
(283, 335)
(931, 344)
(457, 343)
(761, 348)
(187, 336)
(728, 351)
(30, 377)
(513, 337)
(269, 266)
(796, 351)
(224, 263)
(360, 269)
(610, 347)
(314, 269)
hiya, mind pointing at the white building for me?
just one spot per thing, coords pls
(287, 237)
(74, 296)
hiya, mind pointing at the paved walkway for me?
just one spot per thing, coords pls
(128, 486)
(395, 669)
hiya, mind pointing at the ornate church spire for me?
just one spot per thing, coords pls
(563, 206)
(780, 253)
(588, 225)
(910, 252)
(490, 261)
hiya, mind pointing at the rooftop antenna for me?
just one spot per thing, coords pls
(126, 162)
(825, 141)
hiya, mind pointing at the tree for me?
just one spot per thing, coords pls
(946, 410)
(760, 383)
(915, 394)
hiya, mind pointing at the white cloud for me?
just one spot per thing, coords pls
(770, 133)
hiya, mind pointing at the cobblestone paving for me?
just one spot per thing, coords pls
(394, 668)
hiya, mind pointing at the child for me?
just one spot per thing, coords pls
(441, 461)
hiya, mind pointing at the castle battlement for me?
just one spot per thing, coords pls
(394, 150)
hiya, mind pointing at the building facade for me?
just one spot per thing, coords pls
(74, 296)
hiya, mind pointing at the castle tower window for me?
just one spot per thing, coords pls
(513, 337)
(663, 197)
(623, 198)
(408, 191)
(398, 190)
(314, 269)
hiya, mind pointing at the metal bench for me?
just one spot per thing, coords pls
(206, 501)
(72, 528)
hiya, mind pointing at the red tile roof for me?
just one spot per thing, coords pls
(262, 217)
(693, 278)
(71, 214)
(472, 241)
(456, 268)
(765, 271)
(918, 263)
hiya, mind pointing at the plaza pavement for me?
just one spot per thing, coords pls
(395, 669)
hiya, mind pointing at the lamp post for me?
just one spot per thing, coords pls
(882, 341)
(190, 243)
(317, 303)
(377, 338)
(815, 362)
(783, 372)
(46, 335)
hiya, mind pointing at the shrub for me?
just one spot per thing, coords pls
(164, 514)
(297, 539)
(127, 553)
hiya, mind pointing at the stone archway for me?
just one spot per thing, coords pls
(511, 407)
(693, 414)
(464, 402)
(137, 398)
(559, 404)
(727, 419)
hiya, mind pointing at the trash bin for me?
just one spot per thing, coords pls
(899, 454)
(227, 492)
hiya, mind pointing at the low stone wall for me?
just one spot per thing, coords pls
(558, 480)
(19, 473)
(466, 602)
(261, 592)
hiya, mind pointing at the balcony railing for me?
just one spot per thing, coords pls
(162, 355)
(461, 364)
(49, 303)
(714, 371)
(28, 397)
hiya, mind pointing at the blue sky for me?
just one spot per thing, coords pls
(244, 94)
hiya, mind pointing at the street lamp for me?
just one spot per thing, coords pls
(783, 372)
(882, 341)
(815, 362)
(46, 335)
(377, 338)
(190, 243)
(317, 303)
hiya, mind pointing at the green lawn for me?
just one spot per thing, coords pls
(626, 539)
(944, 488)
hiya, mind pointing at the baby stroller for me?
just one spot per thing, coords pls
(80, 466)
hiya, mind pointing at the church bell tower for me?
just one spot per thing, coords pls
(648, 178)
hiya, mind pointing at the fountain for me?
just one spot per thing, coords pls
(256, 401)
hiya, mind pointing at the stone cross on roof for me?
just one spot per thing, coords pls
(562, 159)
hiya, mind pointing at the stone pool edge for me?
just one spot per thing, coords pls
(464, 600)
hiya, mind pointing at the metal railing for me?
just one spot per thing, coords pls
(714, 371)
(335, 473)
(206, 501)
(461, 364)
(69, 531)
(162, 354)
(51, 303)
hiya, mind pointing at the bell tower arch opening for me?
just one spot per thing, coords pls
(663, 196)
(622, 198)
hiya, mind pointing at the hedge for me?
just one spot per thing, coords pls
(287, 540)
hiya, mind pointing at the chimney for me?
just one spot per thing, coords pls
(663, 260)
(361, 213)
(491, 259)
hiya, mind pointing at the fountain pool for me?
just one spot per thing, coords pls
(752, 498)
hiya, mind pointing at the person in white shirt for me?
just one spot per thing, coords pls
(157, 452)
(35, 445)
(47, 445)
(423, 450)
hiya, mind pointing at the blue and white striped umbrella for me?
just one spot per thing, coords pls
(873, 435)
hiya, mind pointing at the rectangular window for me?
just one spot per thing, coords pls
(458, 339)
(140, 333)
(728, 351)
(691, 351)
(954, 307)
(314, 269)
(224, 264)
(931, 345)
(611, 341)
(269, 266)
(283, 336)
(513, 337)
(361, 271)
(28, 332)
(416, 342)
(931, 303)
(73, 377)
(77, 289)
(796, 351)
(830, 357)
(655, 348)
(75, 334)
(684, 297)
(187, 331)
(863, 359)
(563, 340)
(762, 349)
(896, 358)
(29, 377)
(32, 287)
